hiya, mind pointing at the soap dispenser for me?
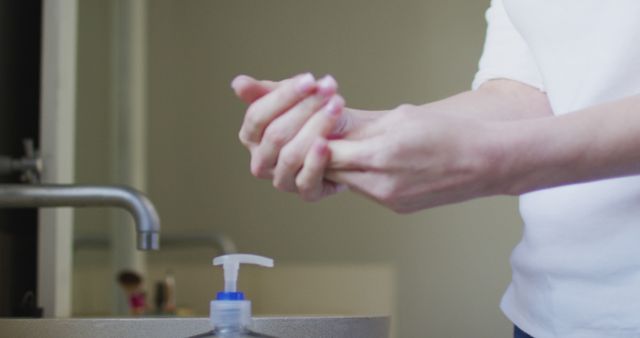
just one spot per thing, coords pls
(230, 313)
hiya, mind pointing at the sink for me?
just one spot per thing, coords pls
(282, 327)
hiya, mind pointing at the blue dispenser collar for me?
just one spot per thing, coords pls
(229, 295)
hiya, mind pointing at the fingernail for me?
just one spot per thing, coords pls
(335, 105)
(237, 80)
(305, 82)
(327, 86)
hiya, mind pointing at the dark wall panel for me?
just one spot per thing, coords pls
(20, 24)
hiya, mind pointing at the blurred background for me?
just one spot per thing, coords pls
(439, 273)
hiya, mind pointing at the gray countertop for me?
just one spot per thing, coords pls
(282, 327)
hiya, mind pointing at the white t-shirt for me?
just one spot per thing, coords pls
(576, 272)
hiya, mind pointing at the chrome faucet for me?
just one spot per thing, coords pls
(51, 195)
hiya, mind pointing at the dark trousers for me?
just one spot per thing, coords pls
(517, 333)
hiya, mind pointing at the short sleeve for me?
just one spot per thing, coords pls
(506, 55)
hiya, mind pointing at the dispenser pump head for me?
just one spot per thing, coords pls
(230, 309)
(231, 264)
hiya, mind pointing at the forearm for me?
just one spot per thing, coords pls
(595, 143)
(496, 100)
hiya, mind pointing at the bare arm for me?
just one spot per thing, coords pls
(496, 100)
(270, 126)
(409, 160)
(595, 143)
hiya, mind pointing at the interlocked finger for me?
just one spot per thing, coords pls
(293, 154)
(264, 110)
(284, 128)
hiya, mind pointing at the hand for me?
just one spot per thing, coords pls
(281, 123)
(411, 159)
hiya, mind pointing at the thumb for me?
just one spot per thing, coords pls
(249, 89)
(352, 154)
(352, 125)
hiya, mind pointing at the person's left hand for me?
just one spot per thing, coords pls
(281, 123)
(412, 159)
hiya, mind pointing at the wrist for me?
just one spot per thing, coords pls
(539, 153)
(510, 145)
(516, 148)
(492, 152)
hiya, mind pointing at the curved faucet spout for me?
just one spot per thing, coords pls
(66, 195)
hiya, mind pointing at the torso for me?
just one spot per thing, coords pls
(577, 268)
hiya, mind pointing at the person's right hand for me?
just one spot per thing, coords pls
(282, 122)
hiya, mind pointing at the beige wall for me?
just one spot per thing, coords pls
(451, 263)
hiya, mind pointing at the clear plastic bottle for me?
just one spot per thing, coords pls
(230, 313)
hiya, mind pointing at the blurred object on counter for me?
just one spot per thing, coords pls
(131, 283)
(165, 295)
(169, 305)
